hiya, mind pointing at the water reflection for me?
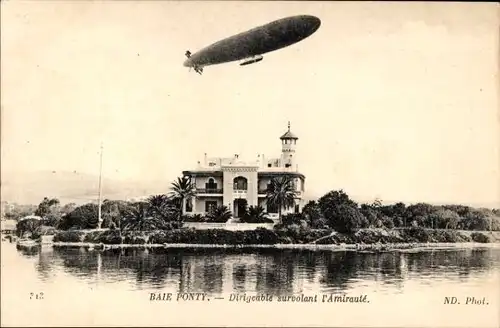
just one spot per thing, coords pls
(264, 271)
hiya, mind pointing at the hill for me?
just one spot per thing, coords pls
(74, 187)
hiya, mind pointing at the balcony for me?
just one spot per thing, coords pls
(239, 192)
(211, 191)
(263, 193)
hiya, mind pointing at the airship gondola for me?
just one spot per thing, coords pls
(249, 46)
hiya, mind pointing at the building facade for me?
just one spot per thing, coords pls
(236, 184)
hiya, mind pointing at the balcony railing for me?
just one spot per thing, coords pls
(209, 191)
(298, 193)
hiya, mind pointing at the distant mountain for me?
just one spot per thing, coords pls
(75, 187)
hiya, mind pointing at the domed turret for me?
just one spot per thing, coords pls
(288, 146)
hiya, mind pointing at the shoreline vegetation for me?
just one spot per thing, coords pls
(261, 238)
(332, 221)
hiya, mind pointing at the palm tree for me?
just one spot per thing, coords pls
(281, 192)
(219, 214)
(255, 214)
(183, 189)
(163, 208)
(138, 216)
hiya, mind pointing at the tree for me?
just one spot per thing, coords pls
(377, 203)
(313, 216)
(164, 209)
(50, 211)
(219, 214)
(44, 207)
(111, 212)
(420, 213)
(281, 193)
(182, 189)
(342, 213)
(347, 219)
(445, 218)
(82, 217)
(138, 216)
(372, 215)
(255, 214)
(28, 227)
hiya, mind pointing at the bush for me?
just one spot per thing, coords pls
(452, 236)
(193, 218)
(373, 236)
(416, 234)
(388, 222)
(72, 236)
(82, 217)
(480, 237)
(105, 237)
(214, 236)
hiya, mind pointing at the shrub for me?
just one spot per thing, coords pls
(480, 237)
(255, 214)
(372, 236)
(388, 222)
(214, 236)
(416, 234)
(72, 236)
(193, 218)
(82, 217)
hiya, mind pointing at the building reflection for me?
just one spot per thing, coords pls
(271, 271)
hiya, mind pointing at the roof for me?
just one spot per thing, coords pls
(289, 134)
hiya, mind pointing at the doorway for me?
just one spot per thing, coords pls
(240, 207)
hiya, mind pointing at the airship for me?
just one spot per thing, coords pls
(248, 47)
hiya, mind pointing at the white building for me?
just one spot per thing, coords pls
(229, 181)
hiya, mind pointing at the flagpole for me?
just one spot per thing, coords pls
(100, 190)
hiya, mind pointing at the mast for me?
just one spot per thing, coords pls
(100, 190)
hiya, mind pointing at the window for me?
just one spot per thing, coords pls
(272, 208)
(297, 208)
(189, 205)
(269, 165)
(240, 183)
(211, 185)
(209, 205)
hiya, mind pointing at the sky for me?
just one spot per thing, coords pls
(397, 101)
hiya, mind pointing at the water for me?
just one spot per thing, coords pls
(88, 287)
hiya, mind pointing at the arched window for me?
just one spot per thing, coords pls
(211, 185)
(240, 183)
